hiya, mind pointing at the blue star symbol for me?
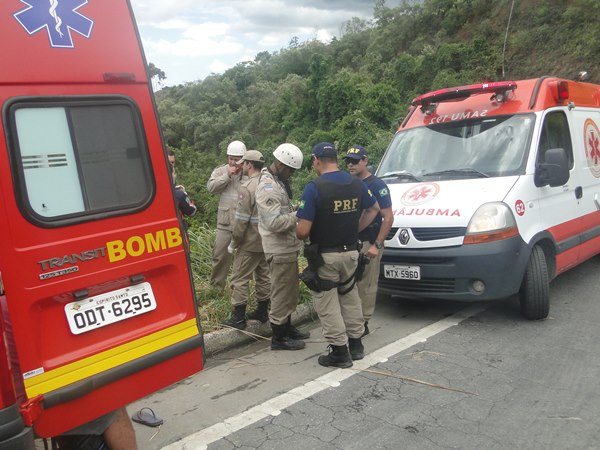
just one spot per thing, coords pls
(58, 17)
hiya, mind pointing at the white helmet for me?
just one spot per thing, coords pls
(290, 155)
(236, 148)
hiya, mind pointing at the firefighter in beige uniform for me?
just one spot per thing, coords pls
(277, 227)
(246, 245)
(225, 182)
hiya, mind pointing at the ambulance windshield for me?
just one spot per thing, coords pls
(484, 147)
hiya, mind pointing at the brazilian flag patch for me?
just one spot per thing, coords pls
(301, 206)
(383, 192)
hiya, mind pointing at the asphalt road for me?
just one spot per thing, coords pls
(436, 376)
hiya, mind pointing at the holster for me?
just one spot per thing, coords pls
(363, 260)
(310, 275)
(370, 233)
(311, 279)
(312, 255)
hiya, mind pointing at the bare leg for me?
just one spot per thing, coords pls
(120, 435)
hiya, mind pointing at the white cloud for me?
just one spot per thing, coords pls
(246, 58)
(324, 35)
(173, 24)
(207, 39)
(189, 39)
(218, 66)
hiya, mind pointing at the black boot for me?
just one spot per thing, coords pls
(261, 313)
(238, 318)
(355, 346)
(280, 340)
(338, 357)
(295, 333)
(366, 328)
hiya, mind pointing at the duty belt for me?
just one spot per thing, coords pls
(340, 248)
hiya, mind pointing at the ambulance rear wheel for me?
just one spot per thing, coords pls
(535, 289)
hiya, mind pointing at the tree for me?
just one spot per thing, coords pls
(355, 25)
(156, 72)
(156, 76)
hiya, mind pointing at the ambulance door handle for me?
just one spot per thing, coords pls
(578, 192)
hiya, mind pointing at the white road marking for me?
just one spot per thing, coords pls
(201, 439)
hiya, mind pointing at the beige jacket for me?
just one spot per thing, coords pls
(245, 227)
(226, 188)
(276, 218)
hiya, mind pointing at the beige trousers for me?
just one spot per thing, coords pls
(221, 258)
(245, 264)
(285, 290)
(367, 287)
(340, 315)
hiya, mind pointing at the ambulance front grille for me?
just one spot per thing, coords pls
(431, 234)
(430, 285)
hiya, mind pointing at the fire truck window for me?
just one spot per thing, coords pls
(82, 159)
(555, 134)
(48, 160)
(111, 167)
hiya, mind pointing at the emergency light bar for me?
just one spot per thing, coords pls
(462, 92)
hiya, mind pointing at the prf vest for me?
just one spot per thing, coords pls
(337, 212)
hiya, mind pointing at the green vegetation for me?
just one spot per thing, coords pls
(213, 303)
(356, 89)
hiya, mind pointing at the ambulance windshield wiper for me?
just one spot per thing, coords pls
(402, 174)
(459, 172)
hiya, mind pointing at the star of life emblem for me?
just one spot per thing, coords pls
(58, 17)
(591, 139)
(419, 194)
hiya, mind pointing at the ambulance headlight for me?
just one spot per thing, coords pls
(491, 222)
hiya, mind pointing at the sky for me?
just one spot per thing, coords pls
(190, 39)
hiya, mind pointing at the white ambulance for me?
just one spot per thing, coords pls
(496, 191)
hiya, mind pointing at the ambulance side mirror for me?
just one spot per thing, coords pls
(554, 171)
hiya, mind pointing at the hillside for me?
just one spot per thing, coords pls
(356, 89)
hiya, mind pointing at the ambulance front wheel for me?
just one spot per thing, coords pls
(535, 289)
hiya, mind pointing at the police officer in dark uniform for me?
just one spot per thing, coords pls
(332, 210)
(185, 205)
(374, 235)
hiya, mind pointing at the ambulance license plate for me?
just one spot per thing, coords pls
(97, 312)
(402, 272)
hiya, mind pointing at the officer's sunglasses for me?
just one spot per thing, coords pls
(352, 161)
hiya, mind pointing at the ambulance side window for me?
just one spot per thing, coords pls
(79, 160)
(555, 134)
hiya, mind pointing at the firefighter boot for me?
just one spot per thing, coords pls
(281, 341)
(366, 328)
(338, 357)
(357, 351)
(238, 318)
(261, 313)
(295, 333)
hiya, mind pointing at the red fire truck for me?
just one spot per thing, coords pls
(97, 305)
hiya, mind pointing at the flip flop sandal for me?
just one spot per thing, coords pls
(146, 416)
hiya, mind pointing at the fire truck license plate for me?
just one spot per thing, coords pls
(101, 310)
(402, 272)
